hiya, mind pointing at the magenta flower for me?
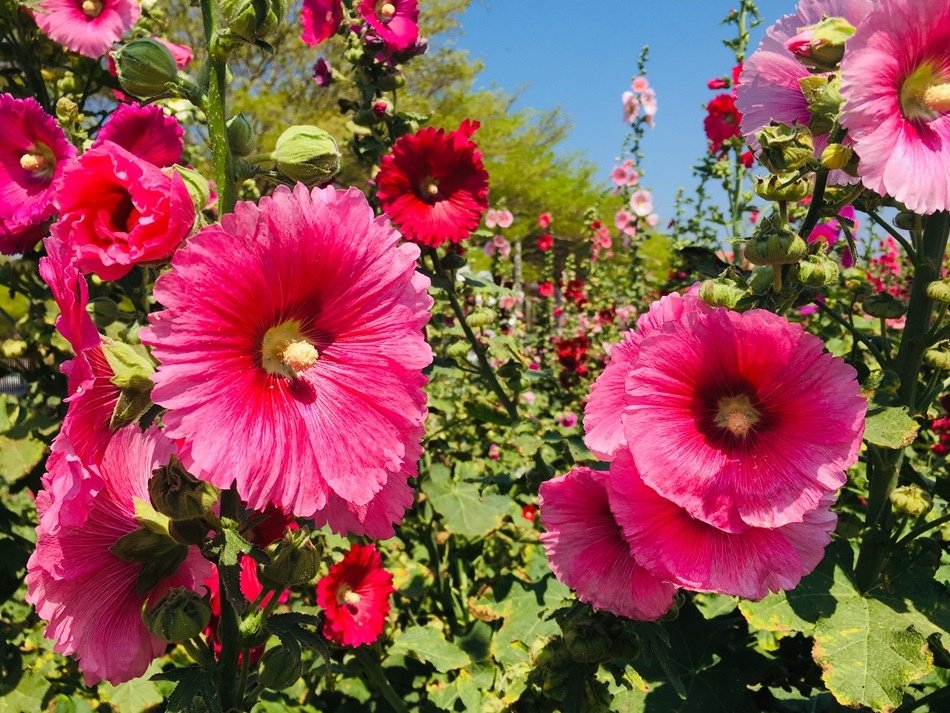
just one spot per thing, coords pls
(588, 553)
(896, 87)
(319, 20)
(742, 419)
(146, 132)
(33, 154)
(116, 210)
(88, 596)
(687, 552)
(300, 385)
(395, 21)
(88, 27)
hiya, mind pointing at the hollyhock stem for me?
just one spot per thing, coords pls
(214, 106)
(884, 476)
(377, 678)
(228, 629)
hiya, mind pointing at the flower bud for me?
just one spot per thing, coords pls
(823, 94)
(240, 136)
(145, 68)
(906, 220)
(481, 317)
(785, 148)
(817, 271)
(821, 46)
(67, 111)
(458, 350)
(911, 500)
(836, 156)
(189, 532)
(721, 292)
(198, 187)
(775, 243)
(784, 187)
(294, 560)
(856, 280)
(179, 615)
(939, 291)
(280, 668)
(252, 20)
(884, 306)
(307, 154)
(176, 493)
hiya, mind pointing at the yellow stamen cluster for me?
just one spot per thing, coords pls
(285, 350)
(737, 415)
(91, 8)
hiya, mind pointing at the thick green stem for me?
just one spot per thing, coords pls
(215, 108)
(228, 629)
(883, 478)
(376, 677)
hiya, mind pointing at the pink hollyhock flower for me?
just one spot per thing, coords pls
(741, 419)
(494, 452)
(395, 21)
(182, 54)
(545, 242)
(322, 73)
(721, 122)
(307, 392)
(631, 107)
(652, 220)
(354, 595)
(88, 27)
(896, 87)
(545, 289)
(640, 84)
(498, 246)
(587, 551)
(320, 19)
(33, 155)
(491, 218)
(568, 419)
(544, 221)
(116, 210)
(146, 132)
(623, 219)
(504, 218)
(717, 83)
(641, 203)
(434, 185)
(648, 103)
(603, 429)
(88, 596)
(687, 552)
(68, 489)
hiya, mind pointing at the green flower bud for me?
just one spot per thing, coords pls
(458, 350)
(817, 271)
(145, 68)
(176, 493)
(151, 546)
(836, 156)
(822, 92)
(280, 668)
(365, 117)
(821, 46)
(389, 82)
(481, 317)
(760, 279)
(784, 187)
(198, 187)
(189, 532)
(785, 148)
(775, 243)
(906, 220)
(132, 374)
(307, 154)
(294, 560)
(241, 136)
(67, 111)
(179, 615)
(721, 292)
(856, 280)
(884, 306)
(911, 500)
(937, 358)
(252, 20)
(939, 291)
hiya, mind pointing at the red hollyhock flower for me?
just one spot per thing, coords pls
(545, 289)
(529, 512)
(574, 291)
(354, 594)
(722, 121)
(545, 242)
(434, 185)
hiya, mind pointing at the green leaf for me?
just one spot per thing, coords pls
(194, 685)
(18, 457)
(890, 428)
(464, 510)
(134, 696)
(429, 646)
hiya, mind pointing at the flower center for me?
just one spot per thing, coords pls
(285, 351)
(39, 162)
(430, 189)
(925, 94)
(386, 11)
(736, 414)
(91, 8)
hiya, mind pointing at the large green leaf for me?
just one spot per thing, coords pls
(18, 457)
(429, 646)
(133, 696)
(464, 510)
(890, 427)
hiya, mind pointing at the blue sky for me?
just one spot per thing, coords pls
(581, 56)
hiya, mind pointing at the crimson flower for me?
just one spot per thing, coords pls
(545, 242)
(354, 594)
(722, 121)
(545, 289)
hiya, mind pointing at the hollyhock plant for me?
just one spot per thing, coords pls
(89, 27)
(146, 132)
(896, 87)
(319, 20)
(720, 416)
(677, 548)
(396, 22)
(354, 595)
(312, 386)
(33, 156)
(434, 185)
(588, 553)
(117, 210)
(91, 598)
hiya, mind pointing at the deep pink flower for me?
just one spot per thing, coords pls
(717, 83)
(354, 595)
(545, 289)
(896, 87)
(395, 21)
(297, 384)
(146, 132)
(116, 210)
(320, 20)
(33, 153)
(544, 221)
(588, 553)
(545, 242)
(322, 73)
(603, 429)
(182, 54)
(87, 595)
(691, 554)
(88, 27)
(741, 418)
(434, 185)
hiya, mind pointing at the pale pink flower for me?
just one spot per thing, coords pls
(504, 218)
(498, 246)
(641, 203)
(742, 419)
(648, 102)
(640, 84)
(544, 221)
(507, 302)
(491, 218)
(631, 107)
(298, 385)
(687, 552)
(623, 219)
(652, 220)
(146, 132)
(88, 596)
(896, 87)
(88, 27)
(33, 153)
(588, 553)
(529, 397)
